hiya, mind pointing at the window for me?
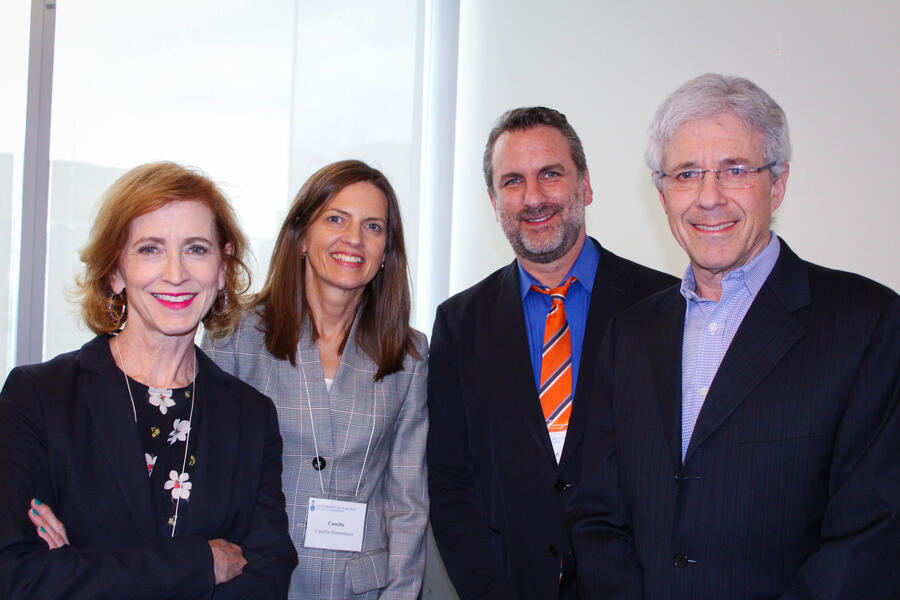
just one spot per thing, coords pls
(257, 99)
(253, 98)
(14, 27)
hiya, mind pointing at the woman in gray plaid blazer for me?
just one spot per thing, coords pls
(328, 339)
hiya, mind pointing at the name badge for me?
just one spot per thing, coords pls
(334, 524)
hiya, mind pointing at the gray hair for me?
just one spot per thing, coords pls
(709, 96)
(529, 117)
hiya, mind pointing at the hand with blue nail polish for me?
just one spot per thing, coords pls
(49, 528)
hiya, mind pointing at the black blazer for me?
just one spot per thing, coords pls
(497, 493)
(790, 487)
(68, 439)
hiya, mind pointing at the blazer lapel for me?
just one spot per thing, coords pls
(102, 389)
(513, 364)
(665, 361)
(767, 332)
(311, 391)
(609, 296)
(351, 399)
(215, 411)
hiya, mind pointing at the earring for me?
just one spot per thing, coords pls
(381, 267)
(303, 255)
(111, 299)
(224, 304)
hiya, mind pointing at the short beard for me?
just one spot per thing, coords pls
(550, 249)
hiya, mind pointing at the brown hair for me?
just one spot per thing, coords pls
(143, 190)
(523, 119)
(383, 331)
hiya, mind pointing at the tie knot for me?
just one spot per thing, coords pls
(557, 294)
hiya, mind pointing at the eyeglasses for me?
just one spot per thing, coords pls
(736, 177)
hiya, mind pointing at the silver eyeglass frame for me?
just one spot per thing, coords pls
(701, 173)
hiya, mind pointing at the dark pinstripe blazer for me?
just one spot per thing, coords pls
(791, 484)
(497, 492)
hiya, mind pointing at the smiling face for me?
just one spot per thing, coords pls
(538, 197)
(172, 268)
(720, 229)
(345, 242)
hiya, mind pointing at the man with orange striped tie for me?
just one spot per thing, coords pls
(511, 369)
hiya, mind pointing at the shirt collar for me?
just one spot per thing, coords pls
(753, 274)
(584, 269)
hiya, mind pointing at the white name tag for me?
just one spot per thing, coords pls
(334, 524)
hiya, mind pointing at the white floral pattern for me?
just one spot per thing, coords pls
(161, 398)
(179, 484)
(166, 411)
(180, 429)
(151, 462)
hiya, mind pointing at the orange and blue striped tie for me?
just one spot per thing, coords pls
(556, 361)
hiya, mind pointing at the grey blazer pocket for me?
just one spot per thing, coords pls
(368, 571)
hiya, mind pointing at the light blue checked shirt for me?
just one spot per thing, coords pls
(709, 327)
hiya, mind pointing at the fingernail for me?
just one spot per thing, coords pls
(35, 512)
(38, 502)
(43, 530)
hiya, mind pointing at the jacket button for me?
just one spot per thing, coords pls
(677, 478)
(318, 463)
(559, 485)
(553, 551)
(681, 561)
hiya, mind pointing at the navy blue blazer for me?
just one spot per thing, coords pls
(497, 492)
(790, 487)
(68, 439)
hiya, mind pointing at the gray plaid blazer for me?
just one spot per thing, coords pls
(393, 482)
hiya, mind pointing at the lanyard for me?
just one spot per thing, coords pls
(187, 441)
(312, 420)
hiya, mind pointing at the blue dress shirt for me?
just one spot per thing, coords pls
(536, 306)
(709, 327)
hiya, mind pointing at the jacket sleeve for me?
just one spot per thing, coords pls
(268, 548)
(179, 567)
(457, 517)
(860, 533)
(597, 515)
(406, 491)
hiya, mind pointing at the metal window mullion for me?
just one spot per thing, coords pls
(437, 167)
(35, 185)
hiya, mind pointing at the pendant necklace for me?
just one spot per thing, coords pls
(187, 440)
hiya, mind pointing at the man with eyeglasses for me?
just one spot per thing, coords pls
(747, 439)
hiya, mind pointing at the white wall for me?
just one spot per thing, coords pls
(833, 67)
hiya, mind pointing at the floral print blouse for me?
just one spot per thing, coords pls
(163, 423)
